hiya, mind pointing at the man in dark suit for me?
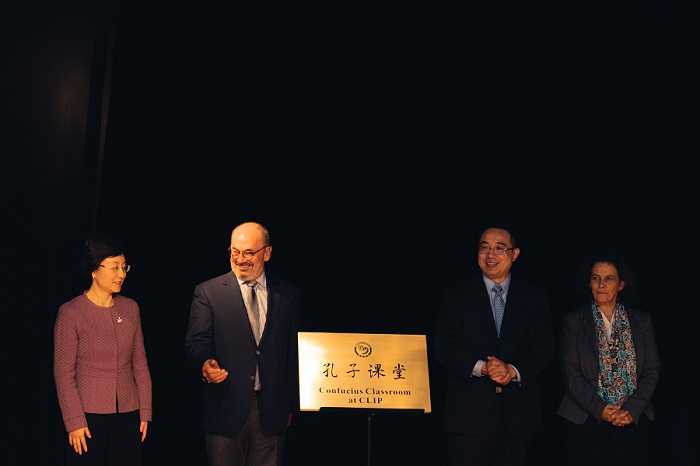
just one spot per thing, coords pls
(242, 336)
(492, 404)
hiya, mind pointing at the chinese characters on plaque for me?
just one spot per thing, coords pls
(370, 371)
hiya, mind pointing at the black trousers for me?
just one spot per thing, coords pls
(494, 447)
(116, 441)
(603, 444)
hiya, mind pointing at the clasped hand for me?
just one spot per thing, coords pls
(617, 416)
(498, 370)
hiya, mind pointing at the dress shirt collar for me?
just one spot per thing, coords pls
(505, 284)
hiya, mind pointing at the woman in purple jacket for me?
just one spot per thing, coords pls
(100, 366)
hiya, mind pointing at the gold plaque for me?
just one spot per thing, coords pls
(360, 370)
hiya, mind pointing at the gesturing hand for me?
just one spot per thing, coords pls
(212, 373)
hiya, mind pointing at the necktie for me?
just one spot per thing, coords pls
(252, 306)
(498, 306)
(254, 317)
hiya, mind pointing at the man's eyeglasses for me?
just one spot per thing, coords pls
(247, 254)
(115, 268)
(498, 250)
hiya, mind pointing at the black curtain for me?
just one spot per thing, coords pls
(374, 140)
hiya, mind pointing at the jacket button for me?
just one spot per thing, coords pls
(257, 352)
(499, 389)
(252, 377)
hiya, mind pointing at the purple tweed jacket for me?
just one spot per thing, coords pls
(100, 360)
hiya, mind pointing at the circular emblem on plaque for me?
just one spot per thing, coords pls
(362, 349)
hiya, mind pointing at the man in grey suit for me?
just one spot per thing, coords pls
(494, 336)
(242, 338)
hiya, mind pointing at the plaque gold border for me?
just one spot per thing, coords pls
(363, 371)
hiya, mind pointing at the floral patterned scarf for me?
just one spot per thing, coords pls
(617, 359)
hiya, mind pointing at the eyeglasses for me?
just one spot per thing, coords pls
(247, 254)
(115, 268)
(498, 250)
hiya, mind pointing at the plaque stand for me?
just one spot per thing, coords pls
(369, 438)
(370, 414)
(327, 361)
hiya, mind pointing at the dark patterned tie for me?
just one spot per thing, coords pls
(498, 306)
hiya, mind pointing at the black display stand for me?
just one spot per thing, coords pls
(370, 414)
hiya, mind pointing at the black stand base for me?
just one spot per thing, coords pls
(370, 413)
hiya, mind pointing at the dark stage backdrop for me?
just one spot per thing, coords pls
(375, 140)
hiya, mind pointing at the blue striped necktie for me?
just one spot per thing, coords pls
(498, 306)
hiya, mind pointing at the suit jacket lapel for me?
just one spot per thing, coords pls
(588, 325)
(232, 291)
(483, 304)
(636, 336)
(273, 304)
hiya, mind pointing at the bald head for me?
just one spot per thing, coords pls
(250, 249)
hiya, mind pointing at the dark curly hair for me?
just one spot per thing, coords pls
(625, 272)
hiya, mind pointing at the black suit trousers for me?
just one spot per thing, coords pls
(494, 447)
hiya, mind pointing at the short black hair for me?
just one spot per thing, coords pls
(501, 226)
(98, 247)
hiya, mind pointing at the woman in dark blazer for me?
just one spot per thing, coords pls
(610, 366)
